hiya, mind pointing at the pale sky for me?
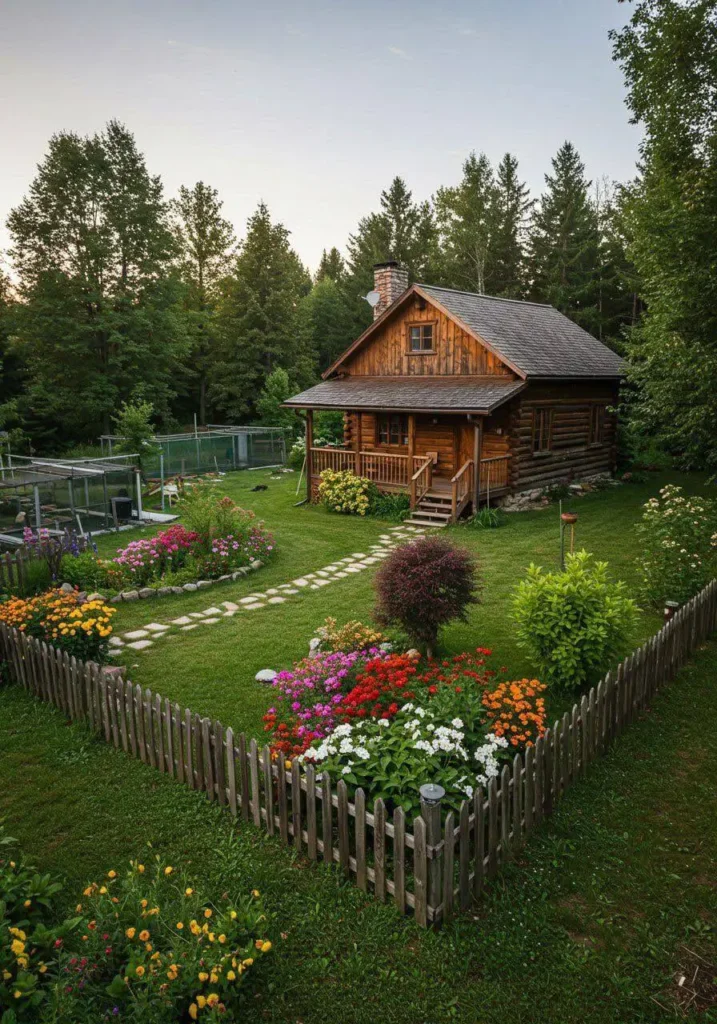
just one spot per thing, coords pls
(314, 107)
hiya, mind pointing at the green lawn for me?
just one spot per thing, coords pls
(613, 900)
(212, 669)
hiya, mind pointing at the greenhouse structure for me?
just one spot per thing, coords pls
(213, 448)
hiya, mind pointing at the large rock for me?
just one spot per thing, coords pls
(164, 591)
(146, 592)
(202, 584)
(130, 595)
(189, 587)
(97, 597)
(256, 564)
(177, 590)
(67, 588)
(265, 675)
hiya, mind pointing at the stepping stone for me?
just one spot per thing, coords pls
(348, 560)
(210, 621)
(352, 568)
(197, 615)
(361, 565)
(290, 590)
(139, 645)
(372, 560)
(185, 629)
(156, 627)
(323, 572)
(330, 568)
(136, 634)
(311, 575)
(383, 536)
(251, 607)
(320, 583)
(341, 575)
(212, 611)
(300, 582)
(230, 606)
(276, 600)
(358, 554)
(184, 620)
(116, 642)
(273, 590)
(247, 600)
(228, 614)
(313, 587)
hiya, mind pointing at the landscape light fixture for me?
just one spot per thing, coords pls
(432, 793)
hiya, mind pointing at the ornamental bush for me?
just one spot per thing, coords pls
(575, 624)
(343, 491)
(424, 585)
(352, 636)
(678, 537)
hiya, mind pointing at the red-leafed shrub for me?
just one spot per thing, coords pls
(380, 689)
(424, 585)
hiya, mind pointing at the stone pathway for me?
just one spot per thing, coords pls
(343, 568)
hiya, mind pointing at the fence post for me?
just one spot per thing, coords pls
(431, 796)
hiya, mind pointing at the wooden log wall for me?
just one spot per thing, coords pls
(570, 455)
(456, 352)
(427, 867)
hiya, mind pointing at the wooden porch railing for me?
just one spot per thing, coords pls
(422, 480)
(383, 468)
(332, 458)
(462, 488)
(494, 473)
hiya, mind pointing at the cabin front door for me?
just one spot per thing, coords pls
(466, 443)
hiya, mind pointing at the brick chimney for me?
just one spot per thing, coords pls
(390, 280)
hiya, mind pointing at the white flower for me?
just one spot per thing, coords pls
(346, 770)
(457, 723)
(383, 722)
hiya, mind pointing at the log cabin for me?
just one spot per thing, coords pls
(458, 398)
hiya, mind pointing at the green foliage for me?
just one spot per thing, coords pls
(487, 518)
(671, 223)
(133, 424)
(329, 426)
(210, 514)
(99, 304)
(386, 505)
(343, 491)
(277, 388)
(257, 319)
(36, 577)
(678, 538)
(575, 623)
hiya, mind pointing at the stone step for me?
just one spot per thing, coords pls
(435, 523)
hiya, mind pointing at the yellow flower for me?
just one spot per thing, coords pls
(143, 903)
(193, 1011)
(212, 999)
(214, 978)
(265, 947)
(249, 961)
(140, 868)
(17, 993)
(103, 890)
(168, 870)
(131, 932)
(201, 1002)
(42, 968)
(180, 925)
(231, 976)
(87, 891)
(207, 912)
(188, 892)
(222, 938)
(17, 947)
(148, 946)
(255, 893)
(233, 915)
(144, 935)
(27, 903)
(139, 971)
(203, 976)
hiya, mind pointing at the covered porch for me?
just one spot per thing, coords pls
(431, 458)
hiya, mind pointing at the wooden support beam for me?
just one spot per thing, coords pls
(309, 446)
(477, 455)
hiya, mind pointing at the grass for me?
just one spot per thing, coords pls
(611, 902)
(213, 673)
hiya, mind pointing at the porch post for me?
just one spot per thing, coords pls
(309, 446)
(411, 453)
(357, 445)
(477, 456)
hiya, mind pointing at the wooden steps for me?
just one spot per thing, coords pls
(434, 509)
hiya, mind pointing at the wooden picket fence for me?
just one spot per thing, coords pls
(432, 866)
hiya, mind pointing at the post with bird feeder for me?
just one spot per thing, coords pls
(566, 519)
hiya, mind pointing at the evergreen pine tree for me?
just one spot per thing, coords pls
(564, 242)
(332, 266)
(466, 216)
(258, 321)
(507, 267)
(205, 241)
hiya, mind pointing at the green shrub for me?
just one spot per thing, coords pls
(343, 491)
(678, 537)
(575, 623)
(211, 515)
(388, 506)
(36, 577)
(487, 518)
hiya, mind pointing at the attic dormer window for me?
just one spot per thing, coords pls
(420, 337)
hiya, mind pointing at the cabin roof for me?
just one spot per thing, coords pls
(536, 339)
(409, 394)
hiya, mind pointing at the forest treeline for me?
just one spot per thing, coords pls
(120, 293)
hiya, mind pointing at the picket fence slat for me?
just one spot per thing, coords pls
(450, 865)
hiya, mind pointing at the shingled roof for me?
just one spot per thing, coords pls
(535, 339)
(409, 394)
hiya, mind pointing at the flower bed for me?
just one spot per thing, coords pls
(386, 723)
(141, 944)
(62, 618)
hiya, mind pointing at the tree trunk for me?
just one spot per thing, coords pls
(203, 399)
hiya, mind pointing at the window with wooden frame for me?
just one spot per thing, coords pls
(392, 430)
(597, 424)
(542, 429)
(421, 337)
